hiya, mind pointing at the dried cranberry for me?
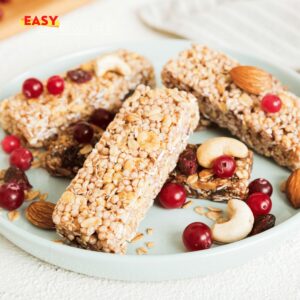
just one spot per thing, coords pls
(16, 175)
(10, 143)
(260, 185)
(172, 195)
(11, 196)
(263, 223)
(187, 163)
(271, 103)
(32, 88)
(259, 203)
(101, 117)
(79, 76)
(55, 85)
(224, 166)
(21, 158)
(83, 133)
(197, 236)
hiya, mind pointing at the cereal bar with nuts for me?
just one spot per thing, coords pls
(203, 182)
(104, 204)
(42, 109)
(248, 101)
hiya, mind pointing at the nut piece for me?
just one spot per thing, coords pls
(40, 214)
(293, 188)
(215, 147)
(251, 79)
(240, 223)
(108, 63)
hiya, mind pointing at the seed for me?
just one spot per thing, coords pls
(150, 244)
(43, 197)
(31, 195)
(149, 231)
(215, 209)
(137, 237)
(141, 251)
(200, 210)
(187, 204)
(213, 215)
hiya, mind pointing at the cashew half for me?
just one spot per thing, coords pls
(111, 62)
(215, 147)
(239, 225)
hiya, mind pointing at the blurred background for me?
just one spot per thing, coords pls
(267, 28)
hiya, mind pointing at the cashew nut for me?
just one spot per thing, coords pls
(111, 62)
(215, 147)
(240, 223)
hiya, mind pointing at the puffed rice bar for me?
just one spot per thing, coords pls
(114, 75)
(205, 73)
(104, 204)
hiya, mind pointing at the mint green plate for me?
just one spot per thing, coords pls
(168, 259)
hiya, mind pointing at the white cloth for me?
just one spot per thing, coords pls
(268, 28)
(273, 275)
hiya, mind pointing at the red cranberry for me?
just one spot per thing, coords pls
(271, 103)
(187, 162)
(11, 196)
(18, 176)
(21, 158)
(32, 88)
(172, 195)
(101, 117)
(55, 85)
(197, 236)
(83, 133)
(10, 143)
(259, 203)
(260, 185)
(224, 166)
(79, 75)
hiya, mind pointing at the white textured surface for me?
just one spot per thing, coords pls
(274, 275)
(269, 28)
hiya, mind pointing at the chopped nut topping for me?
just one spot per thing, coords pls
(13, 215)
(31, 195)
(43, 197)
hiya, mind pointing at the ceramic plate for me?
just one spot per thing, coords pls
(168, 258)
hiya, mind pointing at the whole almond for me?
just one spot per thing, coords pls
(39, 214)
(251, 79)
(293, 188)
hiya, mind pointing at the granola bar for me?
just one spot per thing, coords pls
(101, 83)
(205, 73)
(203, 184)
(104, 204)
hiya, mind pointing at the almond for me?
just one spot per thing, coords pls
(293, 188)
(251, 79)
(39, 214)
